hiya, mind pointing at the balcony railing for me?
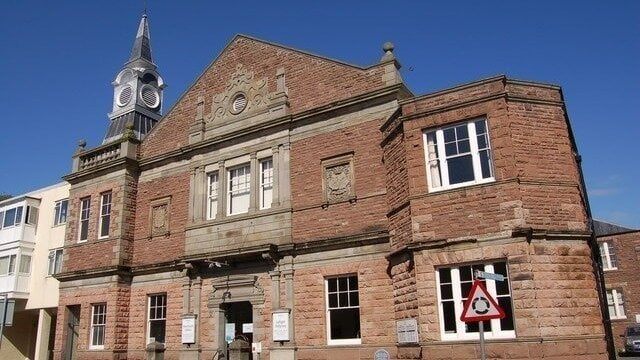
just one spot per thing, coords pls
(89, 159)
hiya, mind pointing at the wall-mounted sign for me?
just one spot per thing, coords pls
(247, 328)
(381, 354)
(280, 325)
(256, 347)
(407, 330)
(229, 332)
(189, 330)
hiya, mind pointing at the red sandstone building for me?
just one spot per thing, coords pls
(323, 211)
(620, 259)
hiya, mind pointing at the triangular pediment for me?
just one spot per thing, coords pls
(252, 82)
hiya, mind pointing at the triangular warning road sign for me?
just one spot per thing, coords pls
(480, 305)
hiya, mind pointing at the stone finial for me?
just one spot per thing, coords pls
(387, 48)
(82, 143)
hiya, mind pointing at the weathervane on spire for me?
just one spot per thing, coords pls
(144, 2)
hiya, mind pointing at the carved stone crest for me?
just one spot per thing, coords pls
(159, 217)
(242, 82)
(338, 180)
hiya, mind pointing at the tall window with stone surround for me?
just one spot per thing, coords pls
(615, 303)
(458, 155)
(105, 214)
(343, 310)
(83, 229)
(454, 285)
(239, 189)
(157, 319)
(608, 256)
(266, 183)
(98, 324)
(212, 195)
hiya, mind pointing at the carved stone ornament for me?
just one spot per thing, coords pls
(242, 82)
(159, 219)
(338, 183)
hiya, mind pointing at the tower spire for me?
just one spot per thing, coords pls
(141, 50)
(137, 91)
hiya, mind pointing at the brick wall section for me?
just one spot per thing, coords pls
(552, 295)
(625, 279)
(377, 322)
(157, 249)
(368, 213)
(116, 297)
(328, 82)
(537, 183)
(94, 253)
(397, 178)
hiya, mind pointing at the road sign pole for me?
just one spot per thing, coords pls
(483, 356)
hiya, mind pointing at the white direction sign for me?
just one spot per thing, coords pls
(490, 276)
(480, 305)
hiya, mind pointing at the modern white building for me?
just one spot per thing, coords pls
(32, 228)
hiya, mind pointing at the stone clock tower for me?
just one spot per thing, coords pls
(137, 91)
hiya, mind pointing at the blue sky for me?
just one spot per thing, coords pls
(58, 59)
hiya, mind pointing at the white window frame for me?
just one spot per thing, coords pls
(436, 159)
(105, 214)
(617, 301)
(25, 264)
(54, 264)
(266, 183)
(608, 256)
(98, 321)
(11, 265)
(241, 187)
(213, 194)
(458, 300)
(17, 217)
(83, 217)
(61, 211)
(156, 313)
(328, 309)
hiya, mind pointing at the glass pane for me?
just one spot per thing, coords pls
(481, 126)
(485, 164)
(462, 132)
(450, 149)
(345, 324)
(507, 322)
(465, 273)
(343, 299)
(342, 284)
(449, 316)
(449, 134)
(333, 285)
(460, 169)
(354, 299)
(333, 300)
(445, 275)
(465, 289)
(482, 141)
(9, 217)
(19, 215)
(156, 330)
(353, 283)
(446, 291)
(464, 147)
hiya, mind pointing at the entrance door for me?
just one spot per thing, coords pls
(73, 320)
(238, 321)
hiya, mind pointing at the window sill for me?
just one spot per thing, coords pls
(345, 342)
(461, 185)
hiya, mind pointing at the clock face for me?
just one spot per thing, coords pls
(150, 96)
(124, 95)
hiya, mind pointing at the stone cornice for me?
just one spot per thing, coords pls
(287, 120)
